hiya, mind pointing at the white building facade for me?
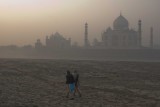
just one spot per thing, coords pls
(121, 36)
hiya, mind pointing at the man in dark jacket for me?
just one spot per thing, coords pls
(70, 84)
(76, 79)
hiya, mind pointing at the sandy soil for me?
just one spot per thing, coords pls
(41, 83)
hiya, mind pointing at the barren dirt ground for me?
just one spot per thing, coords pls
(41, 83)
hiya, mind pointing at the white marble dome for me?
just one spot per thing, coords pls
(121, 23)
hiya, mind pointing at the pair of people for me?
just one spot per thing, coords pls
(72, 81)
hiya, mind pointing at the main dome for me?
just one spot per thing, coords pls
(121, 23)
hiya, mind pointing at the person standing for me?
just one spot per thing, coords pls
(70, 84)
(76, 79)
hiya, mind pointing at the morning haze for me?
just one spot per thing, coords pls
(22, 22)
(79, 53)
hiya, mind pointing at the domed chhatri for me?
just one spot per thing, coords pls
(121, 23)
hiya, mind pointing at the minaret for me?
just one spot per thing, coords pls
(86, 42)
(140, 33)
(151, 37)
(47, 41)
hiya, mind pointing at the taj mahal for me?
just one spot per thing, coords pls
(120, 36)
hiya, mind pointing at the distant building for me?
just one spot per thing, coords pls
(121, 36)
(38, 44)
(96, 43)
(57, 41)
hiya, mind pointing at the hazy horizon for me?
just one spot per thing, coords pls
(23, 22)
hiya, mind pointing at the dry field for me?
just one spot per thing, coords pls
(41, 83)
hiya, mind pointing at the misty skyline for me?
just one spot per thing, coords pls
(23, 22)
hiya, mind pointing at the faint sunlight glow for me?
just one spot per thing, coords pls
(34, 3)
(15, 9)
(37, 5)
(25, 2)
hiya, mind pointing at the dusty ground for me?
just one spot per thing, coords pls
(41, 83)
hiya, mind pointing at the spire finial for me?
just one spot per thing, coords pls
(120, 13)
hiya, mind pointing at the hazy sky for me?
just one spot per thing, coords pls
(22, 22)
